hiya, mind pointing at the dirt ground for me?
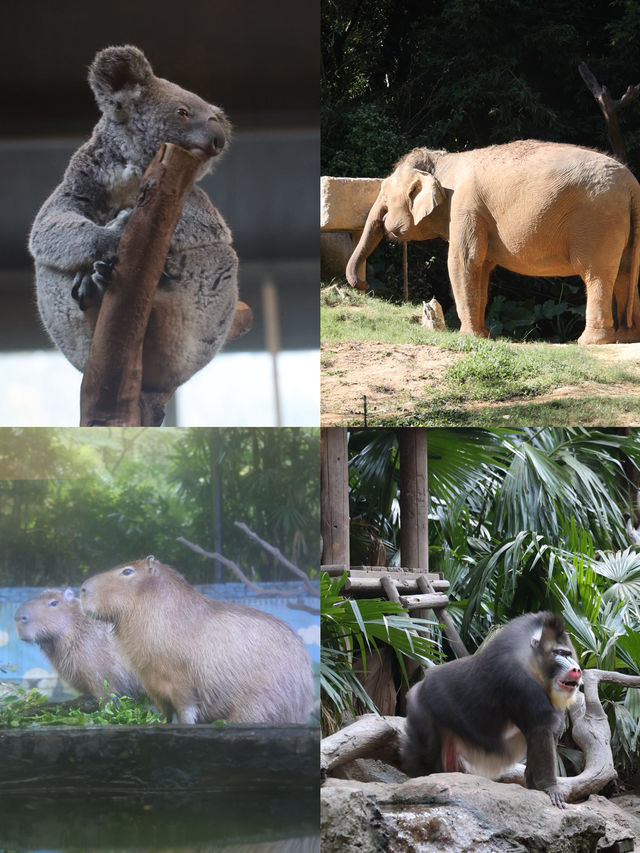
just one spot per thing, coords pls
(391, 379)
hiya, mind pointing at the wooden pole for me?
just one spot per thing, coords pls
(334, 500)
(110, 391)
(405, 273)
(414, 530)
(414, 534)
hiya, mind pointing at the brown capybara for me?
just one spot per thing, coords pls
(200, 658)
(82, 651)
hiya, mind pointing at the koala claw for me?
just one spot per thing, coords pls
(89, 284)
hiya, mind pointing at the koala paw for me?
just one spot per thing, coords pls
(120, 221)
(89, 284)
(169, 273)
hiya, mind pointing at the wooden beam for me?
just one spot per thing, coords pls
(425, 601)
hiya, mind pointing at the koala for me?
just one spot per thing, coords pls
(75, 235)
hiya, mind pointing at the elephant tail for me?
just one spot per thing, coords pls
(634, 266)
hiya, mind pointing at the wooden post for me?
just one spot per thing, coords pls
(414, 530)
(110, 391)
(334, 491)
(405, 273)
(414, 534)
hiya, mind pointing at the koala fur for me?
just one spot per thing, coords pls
(75, 235)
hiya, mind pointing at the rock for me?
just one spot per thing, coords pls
(452, 812)
(345, 202)
(622, 818)
(335, 250)
(432, 315)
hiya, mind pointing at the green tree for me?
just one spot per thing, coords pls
(73, 502)
(462, 74)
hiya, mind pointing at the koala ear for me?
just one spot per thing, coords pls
(426, 194)
(118, 76)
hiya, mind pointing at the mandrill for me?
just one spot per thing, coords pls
(484, 713)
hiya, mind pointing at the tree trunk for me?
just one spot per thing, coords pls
(111, 385)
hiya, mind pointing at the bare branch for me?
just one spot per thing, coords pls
(610, 107)
(237, 571)
(278, 555)
(300, 605)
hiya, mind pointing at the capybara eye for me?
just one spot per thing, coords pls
(127, 571)
(54, 602)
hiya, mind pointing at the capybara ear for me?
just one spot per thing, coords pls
(69, 594)
(151, 564)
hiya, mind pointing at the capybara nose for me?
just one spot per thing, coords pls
(21, 617)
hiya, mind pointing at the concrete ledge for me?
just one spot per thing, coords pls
(345, 202)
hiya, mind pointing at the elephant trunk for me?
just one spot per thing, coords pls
(371, 236)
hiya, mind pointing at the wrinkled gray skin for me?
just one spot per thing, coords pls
(81, 223)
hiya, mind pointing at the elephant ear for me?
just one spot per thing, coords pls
(426, 195)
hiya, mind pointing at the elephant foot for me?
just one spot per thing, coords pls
(482, 332)
(626, 335)
(596, 335)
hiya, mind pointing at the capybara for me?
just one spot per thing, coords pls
(82, 651)
(199, 658)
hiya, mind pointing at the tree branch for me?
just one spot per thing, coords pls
(237, 571)
(111, 385)
(278, 555)
(610, 107)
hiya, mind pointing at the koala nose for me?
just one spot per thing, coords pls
(218, 138)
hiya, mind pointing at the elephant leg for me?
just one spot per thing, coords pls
(624, 333)
(599, 327)
(483, 296)
(470, 284)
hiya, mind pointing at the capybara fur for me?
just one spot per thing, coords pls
(199, 658)
(82, 651)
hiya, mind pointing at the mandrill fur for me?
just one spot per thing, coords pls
(484, 713)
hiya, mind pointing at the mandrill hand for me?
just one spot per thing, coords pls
(556, 796)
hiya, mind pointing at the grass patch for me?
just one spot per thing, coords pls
(506, 376)
(347, 315)
(496, 371)
(587, 411)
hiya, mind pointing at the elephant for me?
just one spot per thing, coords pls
(536, 208)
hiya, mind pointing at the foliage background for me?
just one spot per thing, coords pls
(462, 74)
(77, 501)
(522, 520)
